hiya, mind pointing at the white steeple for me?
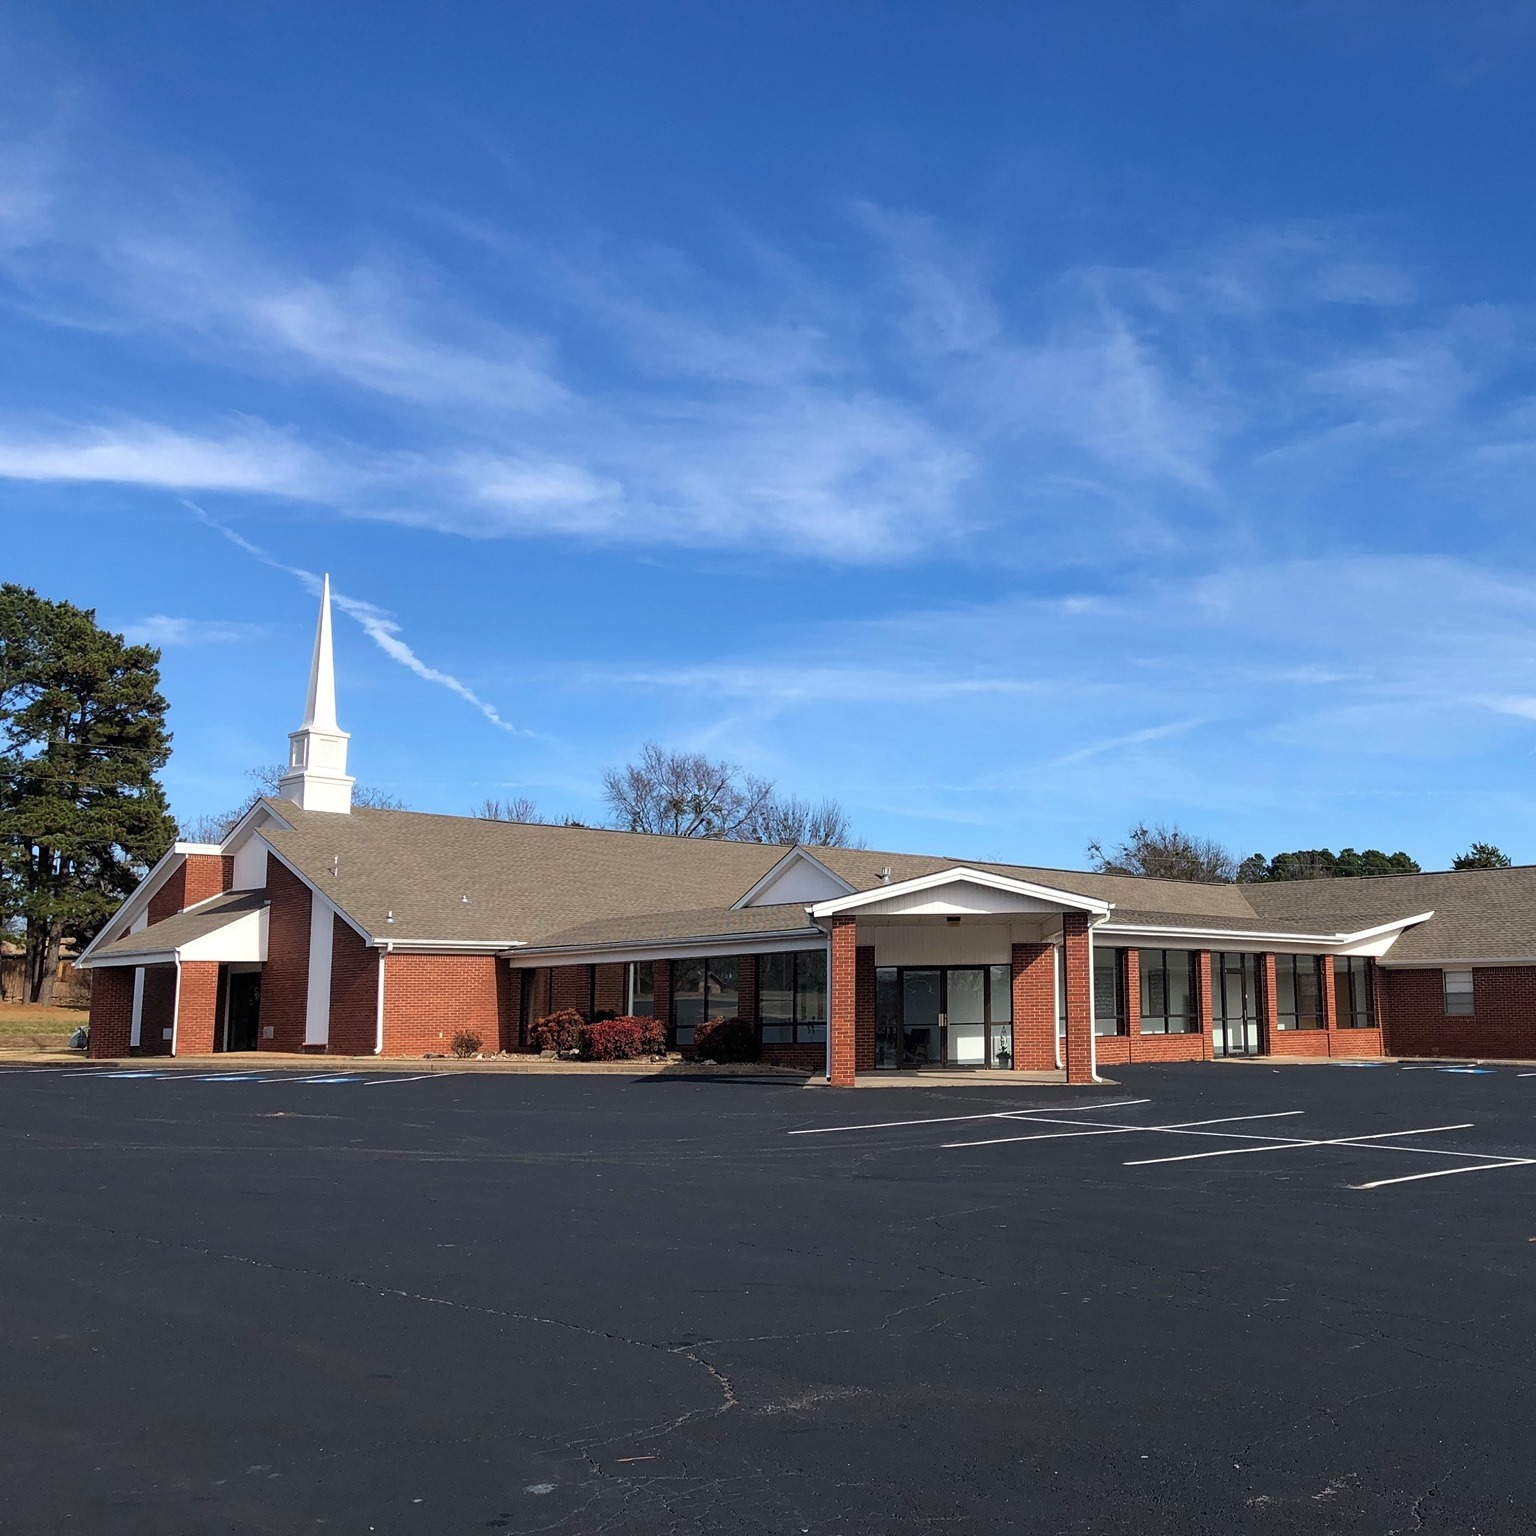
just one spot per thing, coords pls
(316, 779)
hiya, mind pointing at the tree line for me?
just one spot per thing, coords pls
(1170, 853)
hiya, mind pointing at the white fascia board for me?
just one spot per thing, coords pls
(136, 901)
(157, 957)
(439, 946)
(213, 848)
(796, 855)
(1267, 935)
(531, 958)
(1457, 964)
(961, 873)
(237, 832)
(294, 870)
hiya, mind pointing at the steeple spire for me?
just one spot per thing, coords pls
(316, 779)
(320, 706)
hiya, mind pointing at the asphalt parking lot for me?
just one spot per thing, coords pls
(249, 1303)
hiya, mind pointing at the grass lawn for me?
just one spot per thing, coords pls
(26, 1026)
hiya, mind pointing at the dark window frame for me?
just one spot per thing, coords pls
(710, 963)
(1171, 1023)
(1354, 992)
(1293, 1018)
(1119, 1025)
(804, 1029)
(632, 989)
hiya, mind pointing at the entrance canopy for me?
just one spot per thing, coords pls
(228, 928)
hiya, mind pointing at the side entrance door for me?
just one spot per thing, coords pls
(243, 1019)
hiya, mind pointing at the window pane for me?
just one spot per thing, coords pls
(811, 988)
(775, 988)
(687, 999)
(1285, 990)
(778, 1034)
(811, 1034)
(1458, 992)
(720, 984)
(1309, 993)
(966, 999)
(1181, 991)
(642, 989)
(1001, 984)
(1154, 985)
(1107, 1002)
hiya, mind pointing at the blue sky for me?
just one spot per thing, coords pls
(1011, 420)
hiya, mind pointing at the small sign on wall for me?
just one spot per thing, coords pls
(167, 1034)
(266, 1031)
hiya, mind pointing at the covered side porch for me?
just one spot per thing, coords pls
(960, 970)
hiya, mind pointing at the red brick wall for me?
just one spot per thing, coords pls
(197, 1008)
(1269, 1016)
(843, 1001)
(1034, 1007)
(661, 973)
(429, 998)
(199, 876)
(111, 1010)
(612, 988)
(158, 1012)
(1207, 1004)
(863, 1013)
(354, 992)
(1503, 1021)
(285, 977)
(1079, 969)
(571, 987)
(746, 988)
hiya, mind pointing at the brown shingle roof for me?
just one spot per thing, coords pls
(538, 884)
(181, 928)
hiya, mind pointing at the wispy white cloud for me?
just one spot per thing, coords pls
(165, 631)
(377, 623)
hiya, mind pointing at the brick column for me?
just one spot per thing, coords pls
(1034, 1007)
(1269, 1007)
(1330, 1003)
(746, 989)
(661, 982)
(842, 1001)
(111, 1010)
(197, 1008)
(864, 1008)
(1079, 968)
(1132, 981)
(1207, 1004)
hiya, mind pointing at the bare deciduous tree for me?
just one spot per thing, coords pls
(518, 808)
(686, 794)
(1169, 853)
(215, 828)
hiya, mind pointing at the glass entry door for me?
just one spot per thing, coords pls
(953, 1016)
(1235, 1027)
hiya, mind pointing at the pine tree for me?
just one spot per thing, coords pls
(82, 736)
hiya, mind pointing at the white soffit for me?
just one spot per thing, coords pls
(799, 878)
(959, 891)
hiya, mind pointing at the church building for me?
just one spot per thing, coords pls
(319, 927)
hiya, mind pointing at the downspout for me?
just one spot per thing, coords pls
(1058, 965)
(378, 1029)
(176, 1008)
(1093, 1021)
(829, 1006)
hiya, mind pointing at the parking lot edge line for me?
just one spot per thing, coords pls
(997, 1114)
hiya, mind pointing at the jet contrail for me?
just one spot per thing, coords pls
(377, 623)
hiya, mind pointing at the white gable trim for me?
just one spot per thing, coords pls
(963, 875)
(137, 900)
(315, 890)
(795, 857)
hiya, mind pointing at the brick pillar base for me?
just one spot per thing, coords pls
(111, 1010)
(1079, 968)
(842, 1002)
(197, 1008)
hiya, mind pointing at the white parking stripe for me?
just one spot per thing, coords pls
(1273, 1145)
(1442, 1173)
(420, 1077)
(1113, 1130)
(1001, 1114)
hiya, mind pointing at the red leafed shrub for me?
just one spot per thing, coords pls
(726, 1040)
(559, 1032)
(622, 1038)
